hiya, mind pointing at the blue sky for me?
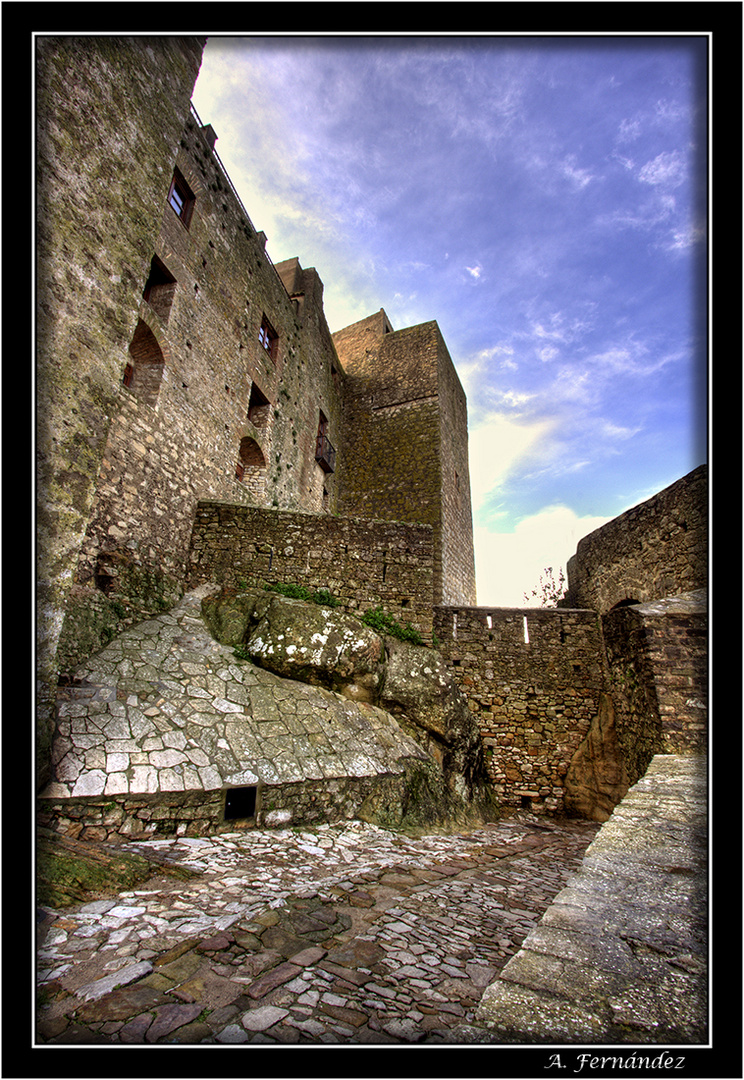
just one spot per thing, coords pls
(544, 199)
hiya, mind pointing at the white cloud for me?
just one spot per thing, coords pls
(508, 565)
(617, 431)
(580, 177)
(496, 446)
(629, 130)
(667, 169)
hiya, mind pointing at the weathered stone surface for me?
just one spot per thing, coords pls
(170, 1017)
(104, 986)
(183, 728)
(419, 687)
(332, 649)
(597, 778)
(533, 679)
(134, 1031)
(656, 549)
(621, 954)
(265, 1016)
(316, 644)
(120, 1003)
(273, 978)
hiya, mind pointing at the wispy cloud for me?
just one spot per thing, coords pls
(578, 176)
(668, 170)
(497, 445)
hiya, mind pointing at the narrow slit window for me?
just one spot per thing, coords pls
(259, 408)
(159, 289)
(325, 453)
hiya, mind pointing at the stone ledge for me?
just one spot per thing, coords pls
(621, 954)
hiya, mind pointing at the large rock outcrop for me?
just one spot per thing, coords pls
(319, 645)
(597, 778)
(170, 730)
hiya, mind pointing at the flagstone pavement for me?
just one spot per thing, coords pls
(338, 934)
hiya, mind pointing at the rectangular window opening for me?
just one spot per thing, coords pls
(268, 337)
(160, 288)
(181, 198)
(259, 408)
(526, 631)
(240, 803)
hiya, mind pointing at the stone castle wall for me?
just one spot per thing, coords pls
(213, 375)
(109, 115)
(534, 679)
(363, 563)
(657, 658)
(183, 384)
(656, 549)
(228, 418)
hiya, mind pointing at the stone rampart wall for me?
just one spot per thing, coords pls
(365, 564)
(657, 658)
(656, 549)
(534, 679)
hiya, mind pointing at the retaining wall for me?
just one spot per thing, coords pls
(621, 954)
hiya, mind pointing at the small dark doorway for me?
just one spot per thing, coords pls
(240, 803)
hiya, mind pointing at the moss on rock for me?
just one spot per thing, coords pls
(72, 872)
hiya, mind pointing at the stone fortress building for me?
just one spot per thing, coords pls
(199, 427)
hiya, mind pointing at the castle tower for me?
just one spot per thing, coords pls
(406, 441)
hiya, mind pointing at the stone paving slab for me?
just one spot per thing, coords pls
(344, 934)
(621, 954)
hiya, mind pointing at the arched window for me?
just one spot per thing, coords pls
(251, 466)
(144, 372)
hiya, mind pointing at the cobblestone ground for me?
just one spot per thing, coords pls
(341, 934)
